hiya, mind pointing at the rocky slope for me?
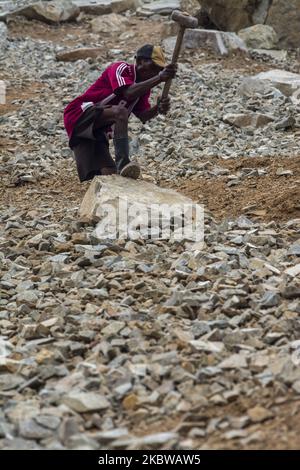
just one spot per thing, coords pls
(146, 344)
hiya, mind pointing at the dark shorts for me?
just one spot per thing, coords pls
(90, 146)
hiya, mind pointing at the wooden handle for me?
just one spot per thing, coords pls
(174, 60)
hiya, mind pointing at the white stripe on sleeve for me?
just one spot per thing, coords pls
(119, 71)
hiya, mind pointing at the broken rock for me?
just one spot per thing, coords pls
(49, 12)
(102, 7)
(107, 24)
(136, 208)
(258, 414)
(221, 42)
(79, 54)
(248, 119)
(259, 36)
(286, 82)
(3, 37)
(84, 402)
(165, 7)
(284, 17)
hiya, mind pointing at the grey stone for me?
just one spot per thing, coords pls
(284, 18)
(285, 123)
(108, 24)
(286, 82)
(270, 299)
(232, 16)
(85, 401)
(248, 120)
(273, 54)
(221, 42)
(29, 429)
(236, 361)
(161, 7)
(53, 11)
(207, 346)
(81, 53)
(48, 421)
(293, 271)
(259, 36)
(3, 36)
(139, 197)
(102, 7)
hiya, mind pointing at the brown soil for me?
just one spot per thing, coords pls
(58, 194)
(279, 432)
(268, 197)
(74, 34)
(20, 94)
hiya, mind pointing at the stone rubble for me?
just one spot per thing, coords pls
(104, 340)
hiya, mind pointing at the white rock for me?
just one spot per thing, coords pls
(2, 92)
(207, 346)
(102, 7)
(251, 87)
(274, 54)
(54, 11)
(259, 36)
(165, 7)
(3, 36)
(83, 402)
(125, 207)
(286, 82)
(81, 53)
(248, 119)
(236, 361)
(221, 42)
(293, 271)
(107, 24)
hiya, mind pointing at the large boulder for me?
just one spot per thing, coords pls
(107, 24)
(103, 7)
(286, 82)
(218, 41)
(284, 17)
(165, 7)
(254, 120)
(127, 208)
(81, 53)
(251, 87)
(55, 11)
(233, 15)
(259, 36)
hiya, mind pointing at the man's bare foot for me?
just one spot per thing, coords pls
(131, 170)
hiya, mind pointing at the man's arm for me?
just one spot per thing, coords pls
(148, 114)
(162, 107)
(139, 89)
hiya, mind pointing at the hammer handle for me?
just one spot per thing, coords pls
(174, 60)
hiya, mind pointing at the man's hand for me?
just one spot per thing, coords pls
(163, 105)
(168, 72)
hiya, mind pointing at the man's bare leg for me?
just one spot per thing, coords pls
(119, 116)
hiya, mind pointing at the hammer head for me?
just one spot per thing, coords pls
(184, 19)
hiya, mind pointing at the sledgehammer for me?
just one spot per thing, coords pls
(185, 21)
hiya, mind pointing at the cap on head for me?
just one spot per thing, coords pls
(155, 53)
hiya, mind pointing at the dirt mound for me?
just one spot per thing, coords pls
(270, 196)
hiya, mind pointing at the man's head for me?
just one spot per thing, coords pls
(150, 60)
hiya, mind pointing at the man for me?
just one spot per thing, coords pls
(103, 112)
